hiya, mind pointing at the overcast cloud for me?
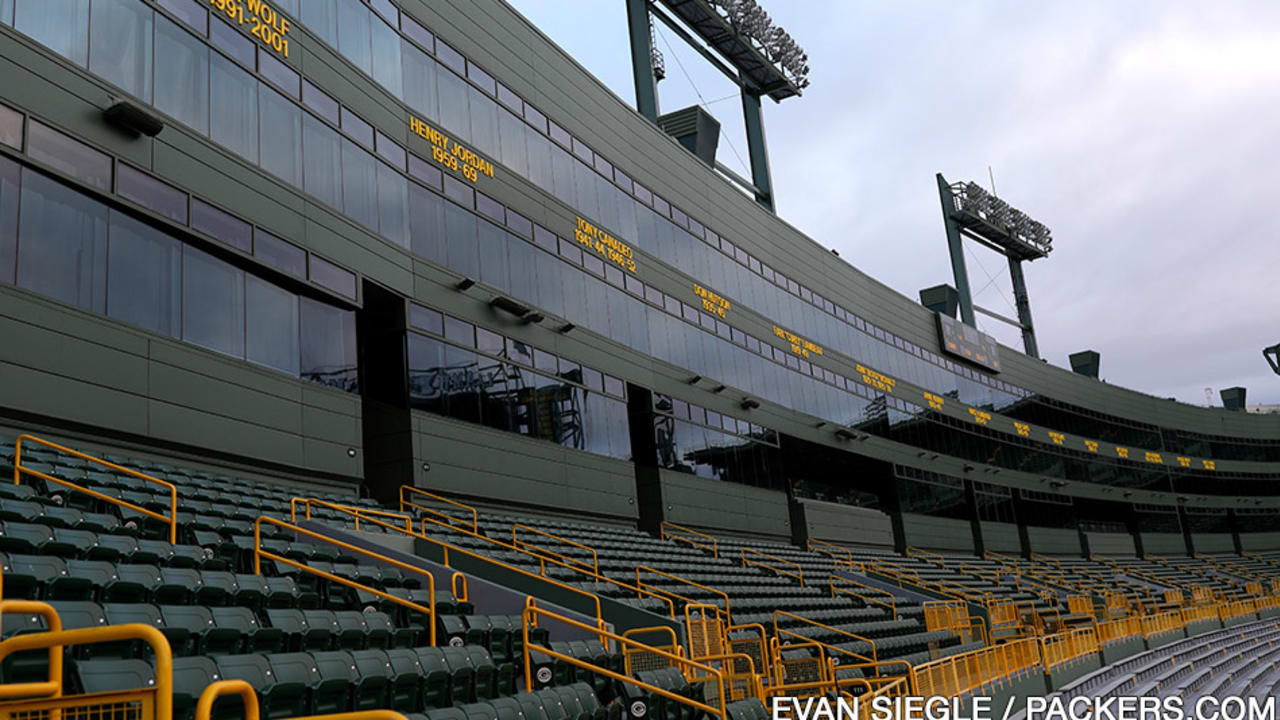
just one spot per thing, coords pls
(1146, 135)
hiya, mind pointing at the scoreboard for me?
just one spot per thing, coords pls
(970, 344)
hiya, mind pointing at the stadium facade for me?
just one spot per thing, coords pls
(404, 242)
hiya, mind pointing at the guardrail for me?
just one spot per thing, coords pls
(691, 669)
(19, 470)
(259, 553)
(1113, 630)
(447, 550)
(866, 593)
(779, 631)
(836, 552)
(150, 703)
(1162, 623)
(966, 672)
(680, 533)
(654, 588)
(475, 515)
(307, 504)
(1066, 646)
(215, 690)
(593, 568)
(797, 572)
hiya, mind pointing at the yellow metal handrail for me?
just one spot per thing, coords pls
(1113, 630)
(797, 573)
(593, 568)
(1164, 622)
(204, 706)
(358, 511)
(542, 559)
(782, 631)
(259, 553)
(966, 672)
(867, 703)
(870, 597)
(19, 470)
(927, 555)
(52, 624)
(719, 593)
(628, 654)
(54, 704)
(475, 515)
(1063, 647)
(836, 552)
(448, 549)
(664, 532)
(532, 614)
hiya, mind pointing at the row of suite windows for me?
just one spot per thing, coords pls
(265, 127)
(66, 245)
(697, 441)
(945, 435)
(472, 374)
(365, 36)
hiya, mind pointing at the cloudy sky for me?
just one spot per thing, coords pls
(1144, 133)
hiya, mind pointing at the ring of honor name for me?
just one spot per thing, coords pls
(1051, 707)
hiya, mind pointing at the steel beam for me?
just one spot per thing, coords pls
(759, 153)
(642, 59)
(955, 243)
(1023, 303)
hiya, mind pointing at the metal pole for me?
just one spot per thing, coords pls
(1023, 301)
(955, 243)
(642, 59)
(756, 148)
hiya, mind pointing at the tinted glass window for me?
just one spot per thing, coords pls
(333, 277)
(419, 81)
(144, 272)
(151, 193)
(322, 161)
(217, 224)
(121, 44)
(328, 345)
(182, 79)
(281, 128)
(353, 34)
(212, 303)
(62, 243)
(359, 185)
(10, 176)
(321, 17)
(280, 254)
(69, 155)
(233, 108)
(393, 205)
(386, 57)
(61, 26)
(271, 326)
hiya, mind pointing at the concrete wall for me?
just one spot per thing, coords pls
(1213, 542)
(1055, 541)
(1001, 537)
(531, 472)
(847, 524)
(1110, 543)
(1164, 543)
(692, 500)
(937, 533)
(1260, 541)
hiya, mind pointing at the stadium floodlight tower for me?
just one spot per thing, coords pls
(738, 38)
(971, 212)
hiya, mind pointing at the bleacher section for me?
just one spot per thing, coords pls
(292, 591)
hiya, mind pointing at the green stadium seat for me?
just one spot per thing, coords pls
(191, 675)
(441, 686)
(299, 636)
(256, 638)
(277, 699)
(408, 691)
(323, 696)
(207, 637)
(180, 640)
(373, 667)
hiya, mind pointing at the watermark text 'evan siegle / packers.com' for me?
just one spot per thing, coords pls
(1029, 708)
